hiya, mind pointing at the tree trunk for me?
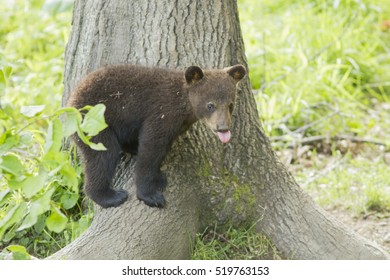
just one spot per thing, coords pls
(240, 183)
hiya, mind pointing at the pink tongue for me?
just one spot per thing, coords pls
(224, 136)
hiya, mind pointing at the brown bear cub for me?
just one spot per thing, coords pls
(146, 109)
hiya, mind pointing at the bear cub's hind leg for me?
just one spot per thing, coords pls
(100, 170)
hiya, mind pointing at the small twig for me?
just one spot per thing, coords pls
(34, 120)
(359, 139)
(312, 139)
(303, 128)
(223, 238)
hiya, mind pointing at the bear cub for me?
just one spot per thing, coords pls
(147, 108)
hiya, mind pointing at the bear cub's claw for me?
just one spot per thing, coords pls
(155, 199)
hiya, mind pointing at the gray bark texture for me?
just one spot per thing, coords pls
(242, 183)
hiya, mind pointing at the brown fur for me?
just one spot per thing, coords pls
(146, 109)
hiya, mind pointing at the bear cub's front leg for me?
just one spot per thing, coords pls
(150, 188)
(150, 180)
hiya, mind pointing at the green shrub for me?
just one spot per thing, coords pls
(39, 184)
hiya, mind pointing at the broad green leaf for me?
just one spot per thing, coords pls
(27, 138)
(36, 208)
(33, 184)
(73, 118)
(16, 248)
(69, 177)
(8, 236)
(11, 164)
(7, 70)
(54, 162)
(68, 200)
(2, 79)
(19, 252)
(3, 196)
(53, 141)
(98, 146)
(40, 224)
(8, 142)
(32, 217)
(94, 121)
(5, 73)
(31, 111)
(13, 216)
(56, 221)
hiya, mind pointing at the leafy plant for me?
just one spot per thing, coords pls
(39, 180)
(15, 252)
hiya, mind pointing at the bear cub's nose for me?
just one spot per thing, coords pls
(222, 128)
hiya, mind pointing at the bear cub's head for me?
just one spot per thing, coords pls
(212, 94)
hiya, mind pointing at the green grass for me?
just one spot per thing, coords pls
(311, 59)
(243, 244)
(320, 68)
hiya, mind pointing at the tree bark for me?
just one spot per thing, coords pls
(242, 183)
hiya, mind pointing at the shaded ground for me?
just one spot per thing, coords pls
(339, 183)
(375, 226)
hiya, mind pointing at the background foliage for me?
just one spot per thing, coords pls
(319, 70)
(39, 184)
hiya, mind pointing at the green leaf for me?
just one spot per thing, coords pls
(7, 141)
(8, 236)
(97, 147)
(69, 177)
(13, 216)
(2, 79)
(68, 200)
(5, 73)
(11, 164)
(27, 138)
(73, 119)
(3, 196)
(36, 208)
(54, 135)
(94, 121)
(19, 252)
(7, 70)
(56, 221)
(33, 184)
(31, 111)
(40, 224)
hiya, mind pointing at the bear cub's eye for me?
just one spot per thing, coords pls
(211, 107)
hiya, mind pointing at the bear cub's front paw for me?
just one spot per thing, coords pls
(152, 199)
(109, 198)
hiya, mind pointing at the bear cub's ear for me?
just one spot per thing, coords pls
(193, 74)
(237, 72)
